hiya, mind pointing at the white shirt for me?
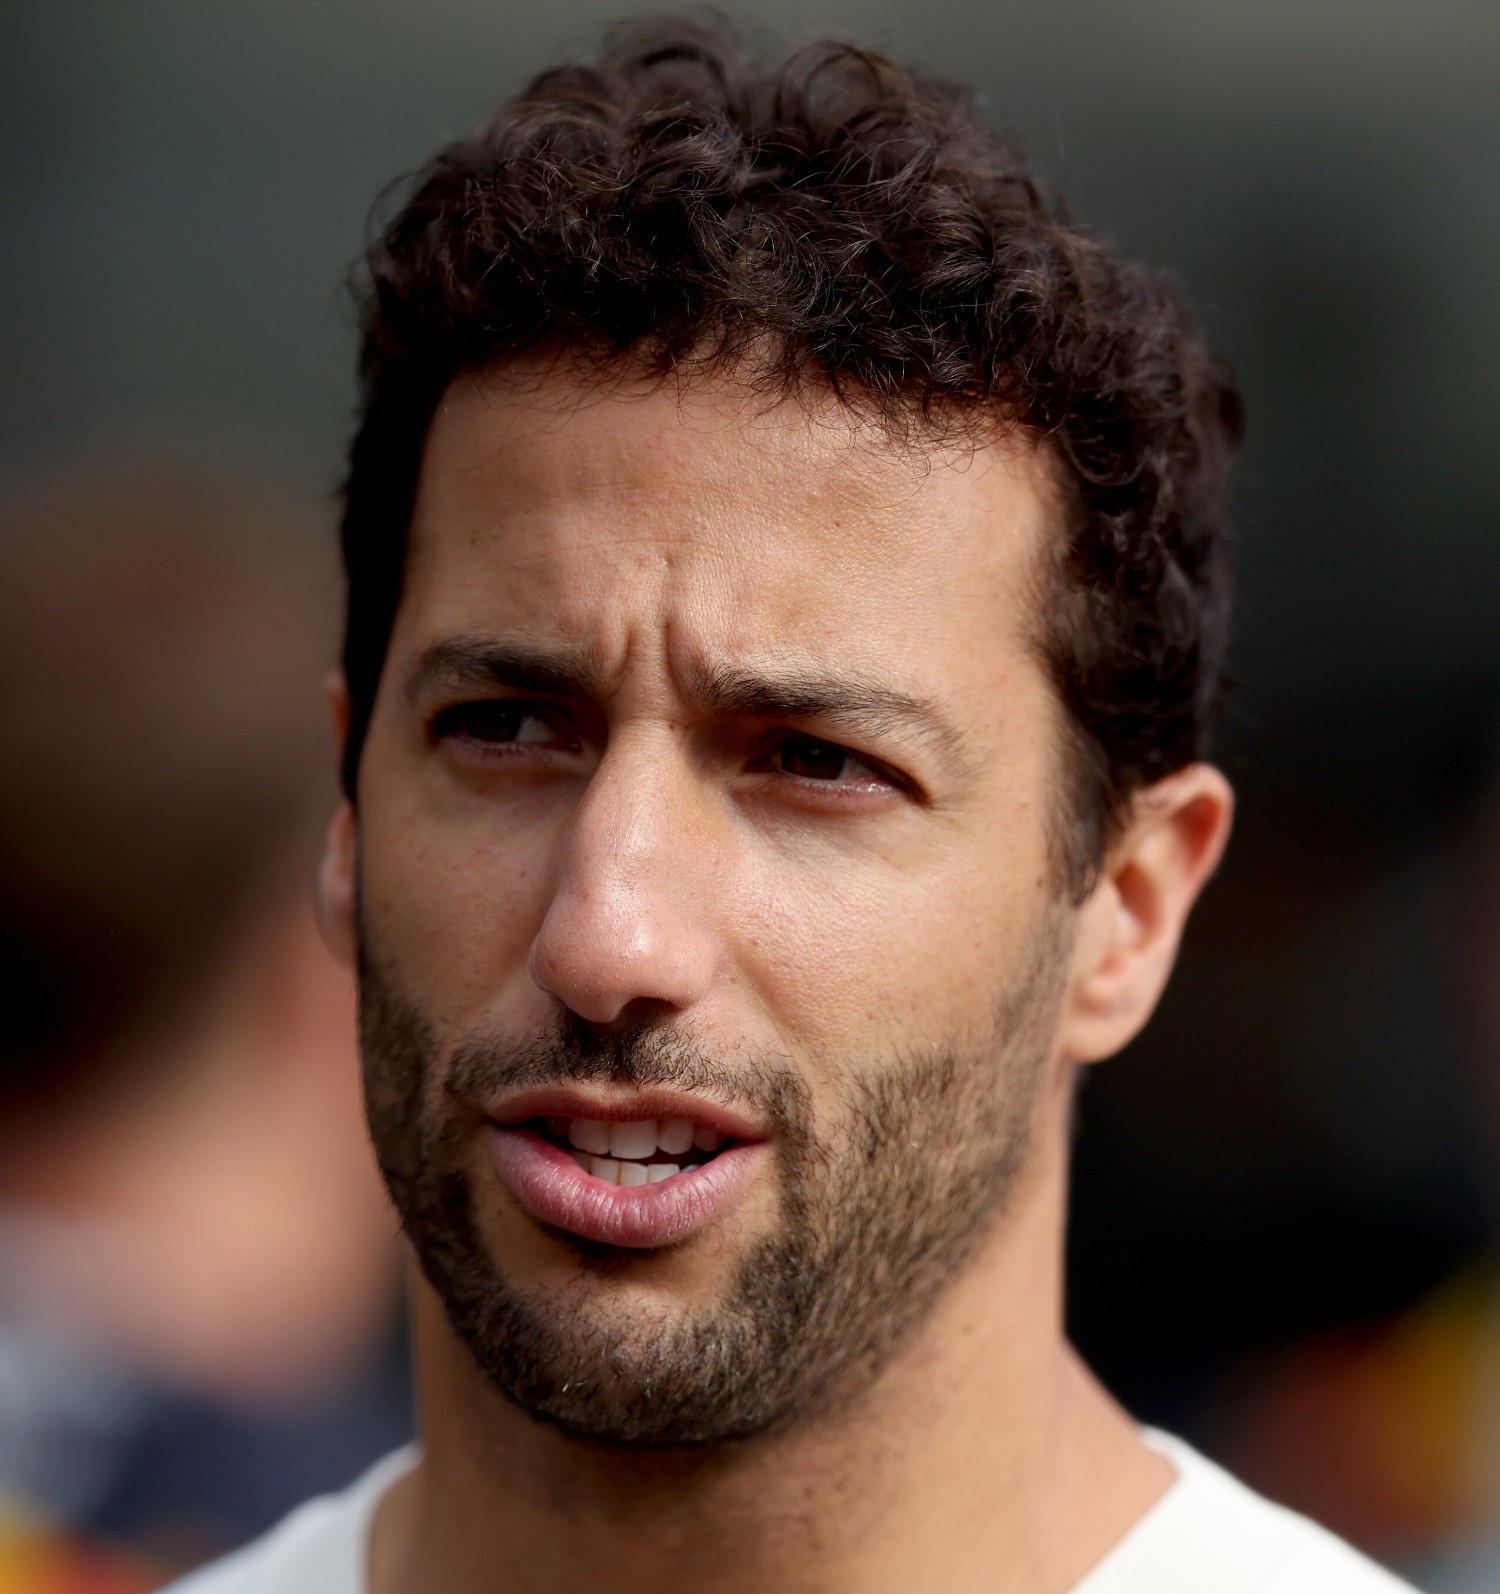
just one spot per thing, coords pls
(1207, 1535)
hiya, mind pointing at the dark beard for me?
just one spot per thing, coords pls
(872, 1224)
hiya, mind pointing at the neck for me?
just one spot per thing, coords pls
(984, 1456)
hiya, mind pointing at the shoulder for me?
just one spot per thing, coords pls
(1209, 1534)
(318, 1549)
(1326, 1565)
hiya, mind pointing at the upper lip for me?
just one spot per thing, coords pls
(629, 1104)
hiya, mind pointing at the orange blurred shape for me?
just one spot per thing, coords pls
(1379, 1433)
(37, 1557)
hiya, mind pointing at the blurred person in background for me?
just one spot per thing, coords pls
(196, 1261)
(787, 601)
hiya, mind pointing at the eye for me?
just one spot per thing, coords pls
(499, 722)
(808, 758)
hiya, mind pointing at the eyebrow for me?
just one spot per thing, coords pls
(479, 662)
(862, 705)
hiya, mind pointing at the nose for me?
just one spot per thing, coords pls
(626, 933)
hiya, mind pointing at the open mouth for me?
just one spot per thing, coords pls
(637, 1182)
(645, 1151)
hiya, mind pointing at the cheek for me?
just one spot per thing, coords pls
(454, 908)
(865, 953)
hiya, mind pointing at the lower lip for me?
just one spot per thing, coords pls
(553, 1188)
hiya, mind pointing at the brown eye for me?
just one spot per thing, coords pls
(494, 722)
(811, 759)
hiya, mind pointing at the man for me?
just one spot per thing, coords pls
(786, 606)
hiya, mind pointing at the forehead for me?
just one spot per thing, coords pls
(613, 516)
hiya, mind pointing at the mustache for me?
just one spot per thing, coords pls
(644, 1053)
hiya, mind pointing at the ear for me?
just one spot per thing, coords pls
(1130, 926)
(338, 866)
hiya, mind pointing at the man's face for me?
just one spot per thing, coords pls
(708, 784)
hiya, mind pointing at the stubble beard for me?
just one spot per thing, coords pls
(873, 1221)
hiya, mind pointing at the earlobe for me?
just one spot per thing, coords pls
(1130, 927)
(335, 887)
(335, 890)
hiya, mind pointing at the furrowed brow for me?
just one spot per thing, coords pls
(478, 663)
(856, 704)
(864, 706)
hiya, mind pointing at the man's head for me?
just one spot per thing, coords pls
(787, 600)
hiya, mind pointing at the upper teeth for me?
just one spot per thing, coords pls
(641, 1139)
(612, 1171)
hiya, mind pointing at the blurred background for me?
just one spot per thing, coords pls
(1286, 1239)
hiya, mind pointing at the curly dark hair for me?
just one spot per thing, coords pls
(832, 217)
